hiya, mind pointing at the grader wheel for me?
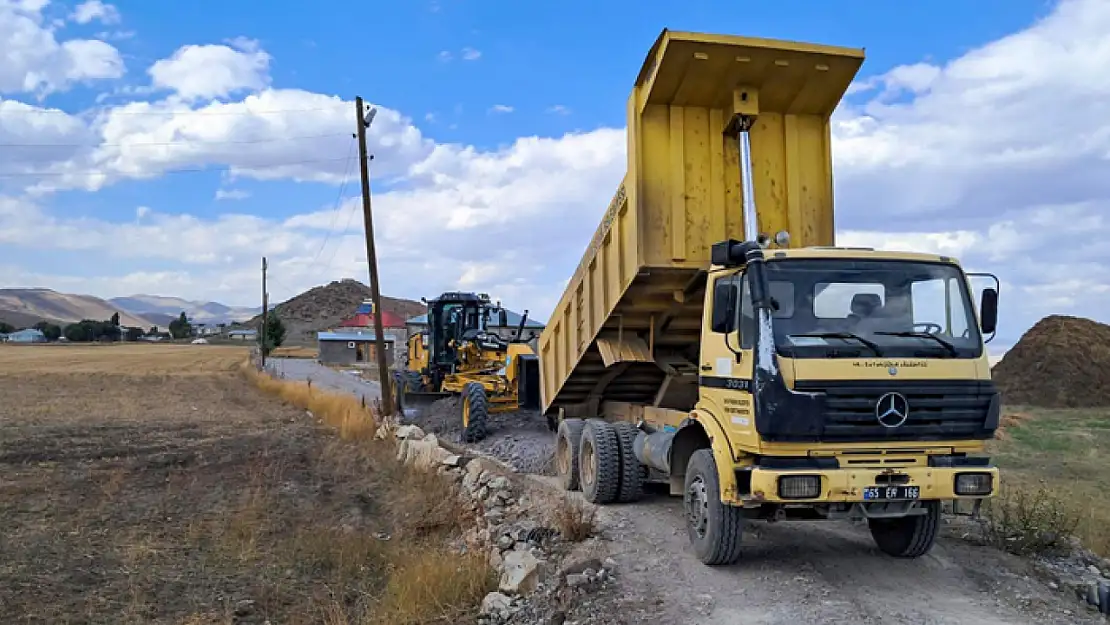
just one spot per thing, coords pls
(475, 412)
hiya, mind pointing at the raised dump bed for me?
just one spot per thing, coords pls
(631, 315)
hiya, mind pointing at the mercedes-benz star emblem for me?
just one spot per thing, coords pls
(892, 410)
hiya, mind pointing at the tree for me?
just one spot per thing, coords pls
(180, 328)
(115, 319)
(153, 331)
(88, 330)
(51, 331)
(6, 328)
(134, 334)
(273, 335)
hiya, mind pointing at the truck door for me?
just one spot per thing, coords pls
(726, 357)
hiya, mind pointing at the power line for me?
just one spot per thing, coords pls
(169, 171)
(178, 142)
(202, 113)
(338, 200)
(346, 226)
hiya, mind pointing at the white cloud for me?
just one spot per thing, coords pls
(95, 10)
(500, 108)
(141, 212)
(213, 71)
(270, 135)
(558, 109)
(997, 157)
(34, 61)
(232, 194)
(466, 54)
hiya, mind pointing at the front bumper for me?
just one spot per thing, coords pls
(849, 485)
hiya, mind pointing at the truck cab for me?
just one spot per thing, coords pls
(839, 383)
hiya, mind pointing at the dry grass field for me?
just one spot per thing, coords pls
(163, 484)
(1060, 457)
(295, 351)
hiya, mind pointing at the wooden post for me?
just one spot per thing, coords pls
(371, 256)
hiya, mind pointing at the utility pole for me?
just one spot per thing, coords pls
(363, 121)
(265, 317)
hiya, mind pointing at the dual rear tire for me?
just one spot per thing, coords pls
(597, 457)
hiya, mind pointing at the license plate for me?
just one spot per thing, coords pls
(892, 492)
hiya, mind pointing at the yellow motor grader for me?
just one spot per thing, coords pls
(459, 355)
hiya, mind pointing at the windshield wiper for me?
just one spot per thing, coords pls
(844, 335)
(952, 351)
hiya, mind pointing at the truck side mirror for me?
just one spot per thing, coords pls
(724, 307)
(503, 318)
(988, 311)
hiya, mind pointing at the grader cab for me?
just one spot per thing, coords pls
(462, 355)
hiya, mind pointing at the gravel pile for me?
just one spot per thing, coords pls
(519, 438)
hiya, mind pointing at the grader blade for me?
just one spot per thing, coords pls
(414, 403)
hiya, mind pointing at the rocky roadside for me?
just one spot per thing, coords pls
(544, 577)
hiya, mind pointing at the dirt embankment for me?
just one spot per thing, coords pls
(1061, 362)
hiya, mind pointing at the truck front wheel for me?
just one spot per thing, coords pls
(715, 528)
(910, 536)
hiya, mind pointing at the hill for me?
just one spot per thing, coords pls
(1061, 362)
(26, 307)
(161, 307)
(324, 307)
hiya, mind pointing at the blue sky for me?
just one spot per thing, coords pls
(156, 91)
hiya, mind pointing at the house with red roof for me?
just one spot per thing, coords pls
(364, 318)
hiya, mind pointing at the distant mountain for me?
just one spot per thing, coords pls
(26, 307)
(199, 312)
(324, 307)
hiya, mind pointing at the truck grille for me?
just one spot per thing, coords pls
(938, 410)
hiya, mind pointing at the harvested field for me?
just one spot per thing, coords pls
(154, 484)
(295, 351)
(125, 358)
(1061, 362)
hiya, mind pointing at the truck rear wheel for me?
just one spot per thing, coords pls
(631, 485)
(567, 443)
(715, 528)
(599, 462)
(475, 412)
(910, 536)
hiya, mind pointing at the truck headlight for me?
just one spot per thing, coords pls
(799, 486)
(974, 483)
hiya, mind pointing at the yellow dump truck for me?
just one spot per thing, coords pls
(713, 337)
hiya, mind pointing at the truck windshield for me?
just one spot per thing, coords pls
(830, 308)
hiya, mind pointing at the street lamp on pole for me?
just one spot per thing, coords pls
(364, 120)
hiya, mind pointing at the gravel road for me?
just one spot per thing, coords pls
(304, 369)
(817, 572)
